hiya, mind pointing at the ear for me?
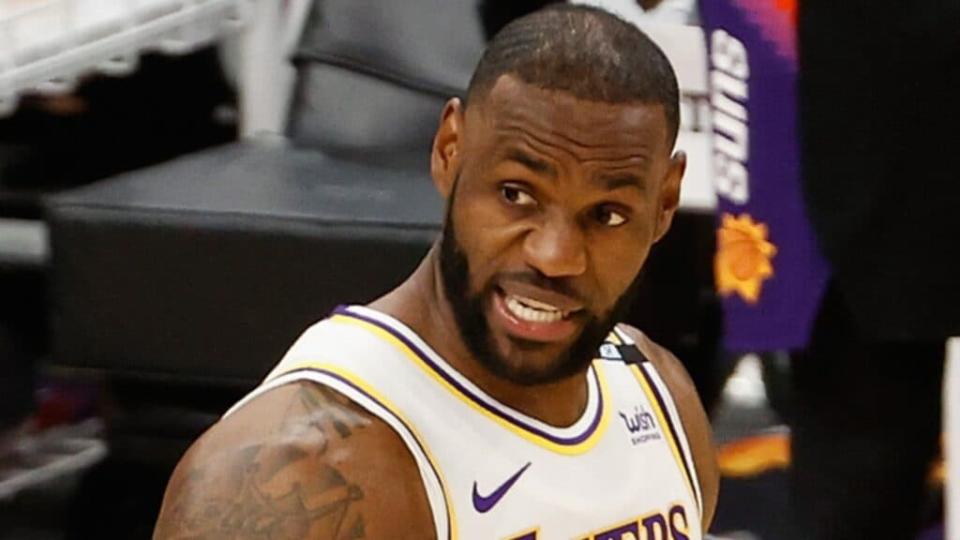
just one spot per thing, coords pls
(670, 194)
(447, 145)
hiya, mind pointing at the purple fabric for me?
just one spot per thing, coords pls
(769, 269)
(936, 533)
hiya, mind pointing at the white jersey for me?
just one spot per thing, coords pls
(622, 471)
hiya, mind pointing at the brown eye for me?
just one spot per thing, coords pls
(609, 217)
(514, 195)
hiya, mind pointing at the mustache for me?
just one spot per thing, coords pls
(557, 285)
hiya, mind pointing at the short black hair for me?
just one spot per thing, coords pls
(584, 51)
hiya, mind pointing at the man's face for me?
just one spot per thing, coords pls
(553, 205)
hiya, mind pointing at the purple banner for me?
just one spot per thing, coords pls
(768, 268)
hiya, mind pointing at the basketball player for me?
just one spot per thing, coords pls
(491, 395)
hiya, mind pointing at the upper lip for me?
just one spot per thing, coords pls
(558, 300)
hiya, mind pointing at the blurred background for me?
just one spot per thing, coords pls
(186, 185)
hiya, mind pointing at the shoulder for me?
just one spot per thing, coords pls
(695, 421)
(300, 461)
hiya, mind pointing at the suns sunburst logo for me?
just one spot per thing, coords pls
(743, 260)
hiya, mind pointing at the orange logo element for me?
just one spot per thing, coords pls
(743, 257)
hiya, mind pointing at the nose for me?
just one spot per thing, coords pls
(557, 248)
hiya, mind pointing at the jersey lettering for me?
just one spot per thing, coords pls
(669, 525)
(729, 74)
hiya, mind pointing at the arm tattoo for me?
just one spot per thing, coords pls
(258, 493)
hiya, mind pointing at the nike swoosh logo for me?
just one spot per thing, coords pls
(483, 504)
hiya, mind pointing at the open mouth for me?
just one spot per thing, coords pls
(534, 319)
(530, 310)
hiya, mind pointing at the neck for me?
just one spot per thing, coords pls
(421, 303)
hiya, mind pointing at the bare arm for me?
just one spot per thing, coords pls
(694, 418)
(301, 461)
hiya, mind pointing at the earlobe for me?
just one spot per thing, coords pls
(445, 156)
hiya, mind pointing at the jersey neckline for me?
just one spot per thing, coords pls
(575, 438)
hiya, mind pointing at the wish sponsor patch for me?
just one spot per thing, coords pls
(641, 425)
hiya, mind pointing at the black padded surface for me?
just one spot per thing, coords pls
(352, 115)
(375, 75)
(428, 45)
(206, 269)
(268, 181)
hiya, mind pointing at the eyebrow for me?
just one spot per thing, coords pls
(610, 182)
(535, 164)
(620, 180)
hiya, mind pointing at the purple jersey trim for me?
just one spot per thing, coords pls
(386, 409)
(425, 358)
(673, 432)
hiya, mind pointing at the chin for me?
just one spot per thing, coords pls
(530, 363)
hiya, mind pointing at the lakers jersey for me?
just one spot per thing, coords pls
(622, 471)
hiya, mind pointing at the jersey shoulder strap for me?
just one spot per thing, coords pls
(658, 394)
(619, 346)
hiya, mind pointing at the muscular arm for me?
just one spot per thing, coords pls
(300, 461)
(694, 418)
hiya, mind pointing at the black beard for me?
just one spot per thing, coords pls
(468, 310)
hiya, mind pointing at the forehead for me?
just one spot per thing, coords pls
(513, 110)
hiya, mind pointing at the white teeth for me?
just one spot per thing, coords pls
(530, 302)
(546, 314)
